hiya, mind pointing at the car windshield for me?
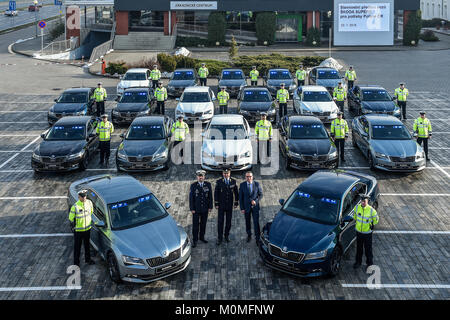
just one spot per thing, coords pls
(195, 97)
(66, 132)
(145, 132)
(316, 96)
(183, 75)
(313, 207)
(275, 75)
(257, 96)
(74, 97)
(133, 212)
(232, 75)
(135, 76)
(134, 97)
(328, 74)
(375, 95)
(390, 132)
(308, 131)
(227, 132)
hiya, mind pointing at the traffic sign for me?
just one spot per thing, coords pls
(42, 24)
(58, 3)
(12, 6)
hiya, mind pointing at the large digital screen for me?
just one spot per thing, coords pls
(362, 17)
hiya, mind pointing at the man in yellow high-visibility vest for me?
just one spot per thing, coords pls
(254, 74)
(203, 74)
(300, 74)
(263, 132)
(155, 75)
(100, 97)
(422, 130)
(339, 132)
(401, 94)
(161, 97)
(179, 130)
(223, 98)
(282, 98)
(104, 130)
(350, 76)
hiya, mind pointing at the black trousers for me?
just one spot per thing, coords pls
(253, 213)
(425, 145)
(364, 242)
(160, 107)
(155, 84)
(100, 108)
(223, 108)
(340, 144)
(340, 105)
(300, 83)
(402, 105)
(104, 151)
(282, 110)
(350, 84)
(203, 81)
(224, 215)
(264, 146)
(79, 238)
(254, 83)
(199, 220)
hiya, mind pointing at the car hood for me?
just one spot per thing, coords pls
(256, 106)
(297, 234)
(378, 105)
(319, 106)
(232, 83)
(194, 107)
(181, 83)
(309, 146)
(60, 148)
(227, 147)
(68, 107)
(132, 107)
(328, 82)
(395, 148)
(137, 148)
(133, 83)
(275, 82)
(149, 240)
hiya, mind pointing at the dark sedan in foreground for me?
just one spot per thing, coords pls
(233, 80)
(132, 231)
(180, 80)
(134, 102)
(72, 102)
(68, 145)
(254, 100)
(306, 144)
(146, 145)
(275, 77)
(314, 227)
(371, 99)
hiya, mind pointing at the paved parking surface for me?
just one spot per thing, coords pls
(36, 205)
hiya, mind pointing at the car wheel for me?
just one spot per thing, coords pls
(113, 269)
(84, 162)
(166, 165)
(288, 164)
(371, 163)
(335, 262)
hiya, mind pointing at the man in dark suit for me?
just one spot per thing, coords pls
(250, 193)
(225, 196)
(200, 204)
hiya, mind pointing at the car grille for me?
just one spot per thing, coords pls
(399, 159)
(140, 159)
(60, 115)
(229, 159)
(193, 114)
(291, 255)
(157, 261)
(322, 114)
(128, 114)
(53, 159)
(315, 158)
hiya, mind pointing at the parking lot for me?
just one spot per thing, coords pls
(410, 244)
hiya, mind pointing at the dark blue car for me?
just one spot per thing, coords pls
(314, 227)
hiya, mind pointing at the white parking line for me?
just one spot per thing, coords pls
(417, 194)
(33, 198)
(11, 289)
(396, 286)
(15, 155)
(410, 232)
(6, 122)
(37, 235)
(439, 168)
(25, 102)
(13, 111)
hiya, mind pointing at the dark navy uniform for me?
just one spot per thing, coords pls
(200, 201)
(225, 196)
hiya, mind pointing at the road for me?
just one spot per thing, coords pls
(25, 17)
(411, 245)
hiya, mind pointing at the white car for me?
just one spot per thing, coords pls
(315, 101)
(137, 77)
(11, 13)
(227, 144)
(196, 104)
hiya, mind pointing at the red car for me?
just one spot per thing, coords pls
(33, 8)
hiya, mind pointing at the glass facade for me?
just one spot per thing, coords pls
(146, 20)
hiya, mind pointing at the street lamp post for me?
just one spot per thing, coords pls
(329, 13)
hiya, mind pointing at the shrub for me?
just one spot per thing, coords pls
(233, 48)
(190, 41)
(411, 30)
(313, 34)
(266, 25)
(144, 63)
(167, 62)
(57, 29)
(118, 67)
(214, 66)
(216, 28)
(428, 35)
(185, 62)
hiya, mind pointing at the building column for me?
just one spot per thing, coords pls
(309, 20)
(122, 22)
(173, 22)
(317, 20)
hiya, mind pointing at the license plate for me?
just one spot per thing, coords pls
(52, 166)
(128, 119)
(139, 166)
(402, 165)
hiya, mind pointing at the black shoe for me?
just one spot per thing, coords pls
(428, 159)
(219, 242)
(227, 239)
(100, 162)
(90, 262)
(203, 240)
(194, 244)
(249, 238)
(343, 160)
(356, 265)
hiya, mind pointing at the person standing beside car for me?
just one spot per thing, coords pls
(400, 94)
(100, 98)
(254, 74)
(300, 74)
(250, 194)
(422, 130)
(339, 132)
(350, 76)
(180, 129)
(155, 75)
(339, 96)
(161, 97)
(104, 130)
(223, 98)
(282, 98)
(203, 74)
(263, 132)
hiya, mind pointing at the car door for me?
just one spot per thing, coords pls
(347, 229)
(284, 129)
(92, 138)
(312, 76)
(103, 234)
(168, 122)
(90, 101)
(96, 217)
(364, 141)
(297, 99)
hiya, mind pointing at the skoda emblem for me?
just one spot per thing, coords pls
(53, 156)
(284, 249)
(165, 253)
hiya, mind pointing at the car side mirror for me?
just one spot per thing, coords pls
(43, 135)
(283, 134)
(122, 135)
(92, 135)
(177, 99)
(281, 201)
(347, 219)
(100, 224)
(167, 205)
(117, 99)
(56, 100)
(213, 99)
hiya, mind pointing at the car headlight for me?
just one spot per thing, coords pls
(51, 112)
(185, 246)
(243, 111)
(381, 156)
(333, 155)
(397, 110)
(316, 255)
(143, 112)
(272, 111)
(132, 261)
(334, 111)
(115, 112)
(294, 154)
(179, 112)
(292, 87)
(305, 110)
(245, 155)
(121, 155)
(264, 239)
(207, 154)
(76, 155)
(161, 153)
(420, 155)
(36, 156)
(171, 87)
(81, 113)
(208, 112)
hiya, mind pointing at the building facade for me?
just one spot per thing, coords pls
(435, 9)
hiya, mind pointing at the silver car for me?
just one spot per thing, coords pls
(387, 144)
(132, 230)
(315, 101)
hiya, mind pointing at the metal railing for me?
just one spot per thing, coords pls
(101, 50)
(61, 46)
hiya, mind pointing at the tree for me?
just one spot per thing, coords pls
(411, 31)
(266, 25)
(233, 48)
(313, 37)
(216, 28)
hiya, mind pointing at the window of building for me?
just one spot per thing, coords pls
(146, 19)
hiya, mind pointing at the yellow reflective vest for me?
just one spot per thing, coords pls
(203, 72)
(223, 97)
(263, 130)
(401, 94)
(100, 94)
(365, 218)
(155, 74)
(161, 94)
(180, 130)
(282, 95)
(254, 74)
(422, 127)
(82, 213)
(300, 74)
(339, 93)
(350, 75)
(339, 129)
(104, 130)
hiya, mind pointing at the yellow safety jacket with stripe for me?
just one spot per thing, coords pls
(263, 130)
(254, 74)
(161, 94)
(82, 213)
(300, 74)
(339, 93)
(155, 74)
(100, 94)
(350, 75)
(104, 130)
(203, 72)
(422, 127)
(365, 218)
(400, 94)
(339, 129)
(180, 130)
(223, 97)
(282, 95)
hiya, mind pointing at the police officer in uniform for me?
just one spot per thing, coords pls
(422, 131)
(104, 130)
(200, 204)
(80, 218)
(161, 97)
(226, 196)
(100, 98)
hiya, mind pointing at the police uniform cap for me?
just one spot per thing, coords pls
(159, 82)
(340, 113)
(180, 116)
(82, 193)
(340, 82)
(254, 67)
(281, 84)
(226, 171)
(222, 88)
(203, 64)
(200, 172)
(422, 112)
(264, 113)
(364, 196)
(99, 83)
(401, 83)
(104, 115)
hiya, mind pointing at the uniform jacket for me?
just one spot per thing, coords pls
(200, 199)
(226, 195)
(245, 197)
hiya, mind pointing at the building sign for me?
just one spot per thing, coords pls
(360, 17)
(193, 5)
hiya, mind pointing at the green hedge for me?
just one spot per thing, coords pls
(412, 28)
(118, 67)
(266, 25)
(190, 42)
(216, 28)
(170, 63)
(428, 35)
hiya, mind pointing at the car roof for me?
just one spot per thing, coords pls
(332, 184)
(329, 68)
(73, 90)
(304, 119)
(73, 120)
(278, 69)
(313, 88)
(232, 69)
(196, 89)
(137, 89)
(149, 120)
(138, 70)
(184, 69)
(227, 119)
(375, 87)
(255, 88)
(118, 188)
(380, 118)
